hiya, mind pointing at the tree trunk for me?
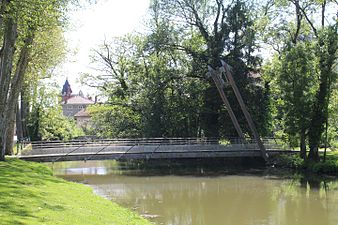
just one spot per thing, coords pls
(302, 144)
(317, 121)
(16, 86)
(18, 122)
(6, 64)
(10, 134)
(24, 108)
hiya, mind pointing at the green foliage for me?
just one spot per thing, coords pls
(114, 121)
(327, 50)
(148, 90)
(330, 166)
(327, 167)
(294, 80)
(46, 121)
(54, 126)
(33, 30)
(333, 118)
(290, 161)
(31, 195)
(160, 76)
(48, 51)
(303, 71)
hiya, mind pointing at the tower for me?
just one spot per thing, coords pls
(66, 91)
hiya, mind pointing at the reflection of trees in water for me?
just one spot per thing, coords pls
(224, 200)
(309, 200)
(312, 182)
(318, 183)
(217, 199)
(61, 168)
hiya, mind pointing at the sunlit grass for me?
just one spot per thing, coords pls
(29, 194)
(332, 155)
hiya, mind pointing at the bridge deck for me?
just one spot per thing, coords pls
(143, 155)
(79, 151)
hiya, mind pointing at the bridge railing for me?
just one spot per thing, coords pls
(277, 144)
(270, 143)
(150, 148)
(123, 141)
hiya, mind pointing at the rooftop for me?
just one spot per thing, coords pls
(77, 100)
(82, 113)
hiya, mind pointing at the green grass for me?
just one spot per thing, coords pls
(332, 155)
(30, 194)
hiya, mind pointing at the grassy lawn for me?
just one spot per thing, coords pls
(331, 155)
(29, 194)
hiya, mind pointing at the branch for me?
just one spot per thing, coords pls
(199, 23)
(224, 13)
(107, 60)
(309, 21)
(219, 5)
(191, 52)
(299, 20)
(323, 13)
(266, 8)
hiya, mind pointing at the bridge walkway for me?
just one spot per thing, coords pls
(159, 148)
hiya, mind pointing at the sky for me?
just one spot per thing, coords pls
(89, 26)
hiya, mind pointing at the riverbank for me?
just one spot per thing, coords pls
(284, 164)
(30, 194)
(329, 167)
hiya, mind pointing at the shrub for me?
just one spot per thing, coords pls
(329, 167)
(290, 161)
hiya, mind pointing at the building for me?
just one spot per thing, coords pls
(75, 105)
(82, 118)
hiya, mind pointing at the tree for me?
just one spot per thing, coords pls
(226, 32)
(114, 121)
(110, 60)
(305, 65)
(46, 121)
(297, 84)
(332, 135)
(326, 51)
(48, 50)
(160, 76)
(165, 100)
(21, 21)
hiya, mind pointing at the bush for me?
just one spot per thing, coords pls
(329, 167)
(50, 124)
(113, 121)
(290, 161)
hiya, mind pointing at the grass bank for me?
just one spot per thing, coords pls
(329, 167)
(30, 194)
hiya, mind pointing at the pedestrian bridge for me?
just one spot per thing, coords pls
(155, 148)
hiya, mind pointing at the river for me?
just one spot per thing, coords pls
(210, 197)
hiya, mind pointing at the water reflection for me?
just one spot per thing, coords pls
(216, 200)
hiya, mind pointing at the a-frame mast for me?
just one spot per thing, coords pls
(217, 77)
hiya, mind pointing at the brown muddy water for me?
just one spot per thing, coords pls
(210, 197)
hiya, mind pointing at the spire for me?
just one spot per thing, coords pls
(81, 94)
(66, 91)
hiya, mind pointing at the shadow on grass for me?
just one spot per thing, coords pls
(19, 190)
